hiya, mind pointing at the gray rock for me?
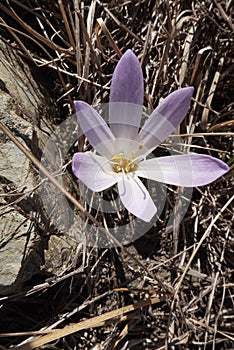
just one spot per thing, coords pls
(21, 247)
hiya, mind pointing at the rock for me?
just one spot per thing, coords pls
(58, 253)
(22, 106)
(17, 241)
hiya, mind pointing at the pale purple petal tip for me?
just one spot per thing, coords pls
(80, 105)
(93, 171)
(175, 106)
(127, 82)
(189, 170)
(166, 117)
(136, 198)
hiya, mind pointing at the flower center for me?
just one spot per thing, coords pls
(121, 164)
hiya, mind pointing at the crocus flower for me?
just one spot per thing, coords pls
(122, 147)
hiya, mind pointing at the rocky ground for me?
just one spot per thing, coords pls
(172, 288)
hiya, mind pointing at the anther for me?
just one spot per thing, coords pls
(121, 164)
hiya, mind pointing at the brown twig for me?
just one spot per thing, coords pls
(109, 36)
(34, 33)
(224, 15)
(67, 26)
(96, 321)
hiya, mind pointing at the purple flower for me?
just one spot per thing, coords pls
(121, 149)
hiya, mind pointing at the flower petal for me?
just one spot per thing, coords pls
(93, 170)
(136, 198)
(95, 129)
(127, 82)
(125, 119)
(127, 90)
(166, 117)
(187, 170)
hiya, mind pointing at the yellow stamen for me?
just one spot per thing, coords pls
(121, 164)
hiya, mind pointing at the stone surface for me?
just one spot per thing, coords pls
(22, 249)
(58, 253)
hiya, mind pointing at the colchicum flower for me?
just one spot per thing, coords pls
(122, 148)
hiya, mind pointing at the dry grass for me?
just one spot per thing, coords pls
(178, 43)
